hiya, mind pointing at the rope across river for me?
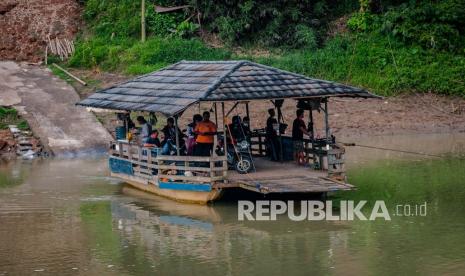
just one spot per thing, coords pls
(389, 149)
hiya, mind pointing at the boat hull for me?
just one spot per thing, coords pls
(199, 197)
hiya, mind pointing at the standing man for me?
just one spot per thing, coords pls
(272, 135)
(298, 131)
(205, 131)
(146, 129)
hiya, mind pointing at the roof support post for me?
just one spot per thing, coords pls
(178, 152)
(310, 121)
(247, 111)
(328, 139)
(216, 115)
(224, 129)
(311, 128)
(280, 136)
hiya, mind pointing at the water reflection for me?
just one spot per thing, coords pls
(180, 238)
(67, 217)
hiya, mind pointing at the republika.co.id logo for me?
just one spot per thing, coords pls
(266, 210)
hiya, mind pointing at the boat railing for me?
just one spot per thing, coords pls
(204, 169)
(148, 163)
(331, 160)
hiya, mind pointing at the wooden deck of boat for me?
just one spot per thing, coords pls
(287, 177)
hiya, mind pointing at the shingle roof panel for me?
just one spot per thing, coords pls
(174, 88)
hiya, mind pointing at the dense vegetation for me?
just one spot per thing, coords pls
(386, 46)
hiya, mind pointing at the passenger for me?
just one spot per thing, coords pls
(246, 126)
(235, 132)
(153, 140)
(146, 129)
(169, 139)
(191, 134)
(130, 123)
(298, 131)
(205, 131)
(272, 135)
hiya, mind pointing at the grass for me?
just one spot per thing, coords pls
(133, 57)
(378, 64)
(10, 116)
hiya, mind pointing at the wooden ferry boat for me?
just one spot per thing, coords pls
(201, 179)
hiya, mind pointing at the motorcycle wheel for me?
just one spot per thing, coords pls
(243, 165)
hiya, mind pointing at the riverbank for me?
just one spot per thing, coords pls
(404, 114)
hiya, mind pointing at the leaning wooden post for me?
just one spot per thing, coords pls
(142, 20)
(178, 152)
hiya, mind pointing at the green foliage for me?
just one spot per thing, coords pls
(162, 24)
(361, 21)
(268, 23)
(375, 62)
(119, 18)
(430, 24)
(305, 37)
(186, 29)
(10, 116)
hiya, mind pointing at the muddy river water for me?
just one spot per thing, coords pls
(67, 217)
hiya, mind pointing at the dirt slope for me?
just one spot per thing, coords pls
(26, 24)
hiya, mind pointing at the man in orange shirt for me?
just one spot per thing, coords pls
(205, 131)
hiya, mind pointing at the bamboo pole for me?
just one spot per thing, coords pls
(46, 54)
(142, 20)
(69, 74)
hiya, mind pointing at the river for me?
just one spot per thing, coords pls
(67, 217)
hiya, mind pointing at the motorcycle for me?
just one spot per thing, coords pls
(238, 155)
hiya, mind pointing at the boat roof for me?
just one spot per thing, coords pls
(173, 89)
